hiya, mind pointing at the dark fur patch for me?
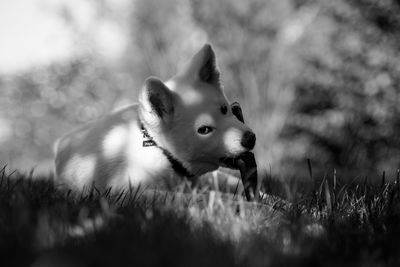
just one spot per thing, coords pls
(209, 72)
(159, 96)
(237, 111)
(157, 104)
(224, 109)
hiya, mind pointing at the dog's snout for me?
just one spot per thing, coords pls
(248, 140)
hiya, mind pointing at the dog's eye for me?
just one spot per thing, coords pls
(224, 109)
(205, 130)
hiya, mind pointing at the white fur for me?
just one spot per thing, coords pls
(80, 169)
(110, 151)
(231, 139)
(114, 142)
(146, 164)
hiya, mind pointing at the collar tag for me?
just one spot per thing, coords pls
(147, 143)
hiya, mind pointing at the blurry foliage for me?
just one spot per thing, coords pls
(316, 79)
(323, 75)
(346, 98)
(47, 102)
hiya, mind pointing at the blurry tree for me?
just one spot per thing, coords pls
(346, 97)
(257, 44)
(316, 78)
(44, 103)
(163, 36)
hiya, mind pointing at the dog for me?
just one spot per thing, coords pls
(181, 128)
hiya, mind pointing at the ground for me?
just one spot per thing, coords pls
(324, 223)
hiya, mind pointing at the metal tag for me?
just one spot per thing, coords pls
(148, 143)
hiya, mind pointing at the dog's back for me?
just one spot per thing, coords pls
(106, 153)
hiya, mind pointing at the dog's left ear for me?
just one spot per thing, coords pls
(156, 100)
(203, 66)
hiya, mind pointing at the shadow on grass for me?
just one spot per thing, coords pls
(322, 225)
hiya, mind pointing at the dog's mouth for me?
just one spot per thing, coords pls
(230, 161)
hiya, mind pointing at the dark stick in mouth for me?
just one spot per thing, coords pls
(245, 162)
(247, 166)
(248, 172)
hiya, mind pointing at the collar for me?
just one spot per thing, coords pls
(176, 164)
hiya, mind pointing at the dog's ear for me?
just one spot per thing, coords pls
(156, 99)
(209, 72)
(203, 66)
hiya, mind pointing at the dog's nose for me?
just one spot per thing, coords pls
(248, 140)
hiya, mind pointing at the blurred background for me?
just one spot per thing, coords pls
(316, 80)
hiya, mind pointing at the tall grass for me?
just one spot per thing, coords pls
(322, 223)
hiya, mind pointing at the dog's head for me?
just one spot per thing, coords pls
(190, 116)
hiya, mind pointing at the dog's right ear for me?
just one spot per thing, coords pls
(156, 100)
(203, 67)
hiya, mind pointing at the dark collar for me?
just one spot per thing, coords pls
(176, 164)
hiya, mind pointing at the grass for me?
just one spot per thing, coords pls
(322, 223)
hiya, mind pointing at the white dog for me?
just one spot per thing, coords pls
(181, 128)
